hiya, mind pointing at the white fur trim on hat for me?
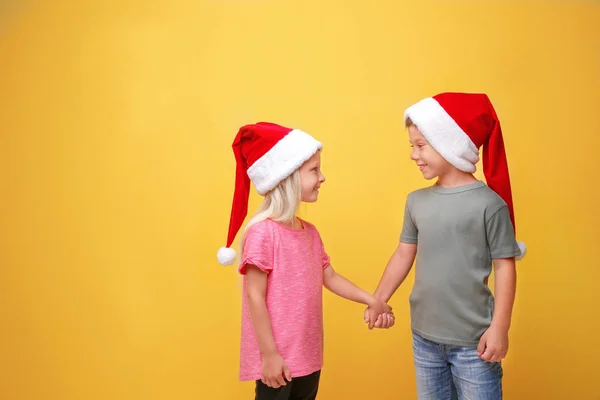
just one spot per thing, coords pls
(444, 134)
(285, 157)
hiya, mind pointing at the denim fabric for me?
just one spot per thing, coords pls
(446, 372)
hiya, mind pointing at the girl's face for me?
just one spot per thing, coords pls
(311, 178)
(429, 161)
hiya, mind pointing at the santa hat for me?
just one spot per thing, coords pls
(266, 154)
(457, 125)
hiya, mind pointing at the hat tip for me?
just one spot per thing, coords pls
(523, 248)
(226, 256)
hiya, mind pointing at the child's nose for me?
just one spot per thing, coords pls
(322, 178)
(413, 155)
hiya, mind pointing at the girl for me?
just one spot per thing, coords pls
(284, 263)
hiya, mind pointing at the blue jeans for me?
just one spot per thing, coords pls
(447, 372)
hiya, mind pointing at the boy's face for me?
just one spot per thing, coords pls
(429, 161)
(311, 178)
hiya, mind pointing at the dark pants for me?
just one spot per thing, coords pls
(301, 388)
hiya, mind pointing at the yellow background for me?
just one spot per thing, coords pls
(116, 120)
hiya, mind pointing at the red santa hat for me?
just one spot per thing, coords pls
(266, 154)
(457, 125)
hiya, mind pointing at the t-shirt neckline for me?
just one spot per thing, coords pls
(290, 229)
(457, 189)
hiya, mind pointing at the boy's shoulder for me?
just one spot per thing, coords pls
(417, 196)
(419, 192)
(491, 198)
(486, 198)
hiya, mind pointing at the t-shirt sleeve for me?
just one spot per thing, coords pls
(325, 260)
(501, 235)
(322, 253)
(258, 248)
(409, 229)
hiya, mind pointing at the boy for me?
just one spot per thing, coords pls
(457, 229)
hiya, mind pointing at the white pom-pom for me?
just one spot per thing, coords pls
(523, 251)
(226, 256)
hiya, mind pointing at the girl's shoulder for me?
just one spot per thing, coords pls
(270, 227)
(311, 229)
(307, 224)
(261, 228)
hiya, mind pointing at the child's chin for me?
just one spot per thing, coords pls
(312, 199)
(429, 177)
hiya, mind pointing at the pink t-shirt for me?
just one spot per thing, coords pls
(294, 260)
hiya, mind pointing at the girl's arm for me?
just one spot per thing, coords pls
(274, 367)
(342, 287)
(396, 270)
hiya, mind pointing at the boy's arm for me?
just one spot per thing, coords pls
(274, 368)
(342, 287)
(493, 345)
(396, 270)
(505, 286)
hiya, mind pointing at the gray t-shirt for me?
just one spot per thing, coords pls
(458, 232)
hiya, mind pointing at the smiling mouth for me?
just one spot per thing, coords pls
(422, 166)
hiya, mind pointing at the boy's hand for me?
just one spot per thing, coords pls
(376, 308)
(493, 344)
(274, 370)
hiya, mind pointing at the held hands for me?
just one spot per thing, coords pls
(379, 314)
(274, 370)
(493, 344)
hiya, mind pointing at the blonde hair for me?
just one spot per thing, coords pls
(280, 204)
(408, 123)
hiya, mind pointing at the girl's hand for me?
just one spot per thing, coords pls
(493, 344)
(385, 320)
(378, 311)
(274, 370)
